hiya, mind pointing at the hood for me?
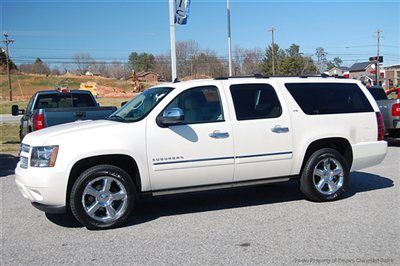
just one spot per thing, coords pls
(40, 137)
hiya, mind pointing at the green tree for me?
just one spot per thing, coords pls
(289, 62)
(336, 62)
(141, 62)
(133, 60)
(3, 60)
(266, 65)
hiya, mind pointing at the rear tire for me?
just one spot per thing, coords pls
(102, 197)
(325, 176)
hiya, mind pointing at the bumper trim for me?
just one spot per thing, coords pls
(49, 208)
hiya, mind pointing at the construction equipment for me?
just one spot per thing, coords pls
(89, 86)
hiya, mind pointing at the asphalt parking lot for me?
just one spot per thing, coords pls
(258, 225)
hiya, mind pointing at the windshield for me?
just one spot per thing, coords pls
(141, 105)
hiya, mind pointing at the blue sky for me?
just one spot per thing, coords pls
(112, 29)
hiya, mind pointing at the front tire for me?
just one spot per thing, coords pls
(102, 197)
(325, 176)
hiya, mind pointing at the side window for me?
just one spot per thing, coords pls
(28, 108)
(255, 101)
(329, 98)
(200, 105)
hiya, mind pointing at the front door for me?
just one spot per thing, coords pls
(199, 152)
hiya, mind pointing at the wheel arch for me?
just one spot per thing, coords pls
(123, 161)
(341, 145)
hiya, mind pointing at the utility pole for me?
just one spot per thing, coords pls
(7, 41)
(378, 74)
(272, 30)
(172, 38)
(228, 14)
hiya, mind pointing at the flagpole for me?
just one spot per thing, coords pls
(228, 12)
(172, 37)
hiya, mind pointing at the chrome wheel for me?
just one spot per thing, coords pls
(328, 176)
(104, 199)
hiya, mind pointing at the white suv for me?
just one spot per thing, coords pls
(203, 135)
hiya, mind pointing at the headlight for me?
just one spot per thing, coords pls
(44, 156)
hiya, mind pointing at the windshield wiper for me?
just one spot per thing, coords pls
(117, 118)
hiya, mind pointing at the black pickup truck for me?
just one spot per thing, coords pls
(54, 107)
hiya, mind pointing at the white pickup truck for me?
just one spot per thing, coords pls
(203, 135)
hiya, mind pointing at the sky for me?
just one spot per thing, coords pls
(110, 30)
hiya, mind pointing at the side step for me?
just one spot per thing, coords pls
(220, 186)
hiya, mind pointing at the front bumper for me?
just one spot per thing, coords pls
(44, 187)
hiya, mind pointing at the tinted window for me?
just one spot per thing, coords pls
(378, 93)
(255, 101)
(329, 98)
(63, 100)
(200, 105)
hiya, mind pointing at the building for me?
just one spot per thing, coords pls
(338, 71)
(365, 71)
(392, 75)
(147, 76)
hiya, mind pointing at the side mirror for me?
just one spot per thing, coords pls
(16, 111)
(172, 117)
(123, 103)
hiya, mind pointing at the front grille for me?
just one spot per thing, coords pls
(23, 162)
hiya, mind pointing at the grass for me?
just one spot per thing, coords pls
(9, 137)
(5, 105)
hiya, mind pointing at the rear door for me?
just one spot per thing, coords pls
(261, 129)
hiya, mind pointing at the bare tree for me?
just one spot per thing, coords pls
(83, 61)
(162, 66)
(186, 53)
(117, 70)
(247, 61)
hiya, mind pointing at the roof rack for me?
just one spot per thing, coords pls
(256, 75)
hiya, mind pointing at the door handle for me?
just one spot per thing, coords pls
(219, 135)
(279, 129)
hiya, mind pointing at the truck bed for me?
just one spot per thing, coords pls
(56, 116)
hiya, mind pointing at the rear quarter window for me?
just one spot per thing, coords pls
(329, 98)
(378, 94)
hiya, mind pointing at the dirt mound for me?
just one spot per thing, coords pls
(113, 92)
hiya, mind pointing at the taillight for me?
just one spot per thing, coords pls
(396, 109)
(38, 121)
(381, 126)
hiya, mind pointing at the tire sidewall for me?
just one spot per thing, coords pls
(80, 185)
(316, 159)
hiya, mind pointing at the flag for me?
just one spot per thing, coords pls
(181, 11)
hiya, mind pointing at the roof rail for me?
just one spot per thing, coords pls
(260, 76)
(256, 75)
